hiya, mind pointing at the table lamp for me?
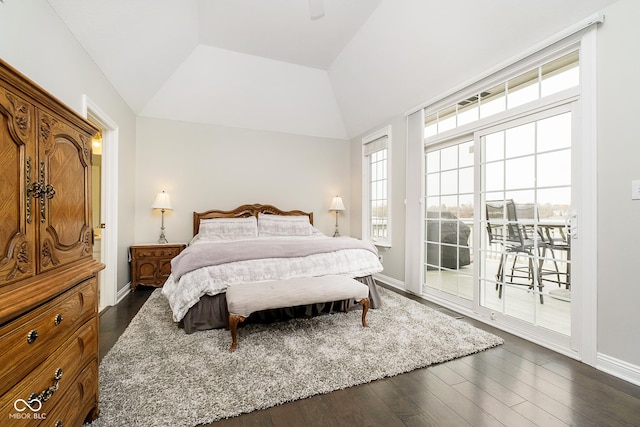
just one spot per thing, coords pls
(163, 203)
(336, 206)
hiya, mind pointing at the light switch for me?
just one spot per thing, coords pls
(635, 190)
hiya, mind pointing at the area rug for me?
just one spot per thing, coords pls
(156, 375)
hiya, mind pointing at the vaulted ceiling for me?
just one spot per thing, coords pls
(265, 64)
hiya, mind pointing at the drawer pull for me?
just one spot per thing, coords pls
(47, 393)
(59, 423)
(58, 319)
(32, 336)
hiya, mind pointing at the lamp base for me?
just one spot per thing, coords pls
(162, 239)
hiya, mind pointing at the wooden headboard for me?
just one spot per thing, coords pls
(243, 212)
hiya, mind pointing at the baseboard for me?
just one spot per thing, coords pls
(619, 368)
(395, 283)
(123, 292)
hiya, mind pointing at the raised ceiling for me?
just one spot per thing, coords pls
(264, 64)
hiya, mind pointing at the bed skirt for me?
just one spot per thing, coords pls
(211, 311)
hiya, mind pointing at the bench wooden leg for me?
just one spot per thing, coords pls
(365, 307)
(233, 325)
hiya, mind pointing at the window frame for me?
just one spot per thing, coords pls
(366, 187)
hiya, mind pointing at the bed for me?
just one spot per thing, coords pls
(259, 243)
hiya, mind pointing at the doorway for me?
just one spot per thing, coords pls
(105, 200)
(514, 266)
(558, 258)
(96, 194)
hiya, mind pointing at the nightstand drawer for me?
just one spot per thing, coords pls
(158, 252)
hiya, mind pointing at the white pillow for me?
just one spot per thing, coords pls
(280, 225)
(228, 228)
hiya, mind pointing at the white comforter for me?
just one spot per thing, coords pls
(186, 292)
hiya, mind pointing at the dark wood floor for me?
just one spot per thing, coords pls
(516, 384)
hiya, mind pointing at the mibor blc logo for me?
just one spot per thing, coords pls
(27, 410)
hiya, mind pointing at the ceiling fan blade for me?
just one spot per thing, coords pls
(316, 9)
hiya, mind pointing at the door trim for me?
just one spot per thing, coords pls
(585, 330)
(109, 199)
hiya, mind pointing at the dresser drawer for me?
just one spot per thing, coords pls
(73, 407)
(50, 382)
(28, 340)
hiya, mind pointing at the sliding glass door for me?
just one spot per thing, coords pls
(525, 200)
(449, 220)
(498, 221)
(507, 178)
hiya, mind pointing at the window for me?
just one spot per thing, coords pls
(549, 78)
(376, 149)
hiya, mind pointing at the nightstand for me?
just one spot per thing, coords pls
(151, 264)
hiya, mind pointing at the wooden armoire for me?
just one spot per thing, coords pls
(48, 277)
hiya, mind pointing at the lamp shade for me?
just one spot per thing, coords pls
(162, 201)
(336, 204)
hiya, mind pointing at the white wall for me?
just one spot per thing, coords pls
(618, 164)
(34, 41)
(212, 167)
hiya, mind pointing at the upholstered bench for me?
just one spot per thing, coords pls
(242, 300)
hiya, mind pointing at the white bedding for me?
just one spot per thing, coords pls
(212, 280)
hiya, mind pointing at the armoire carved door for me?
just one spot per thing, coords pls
(17, 148)
(64, 203)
